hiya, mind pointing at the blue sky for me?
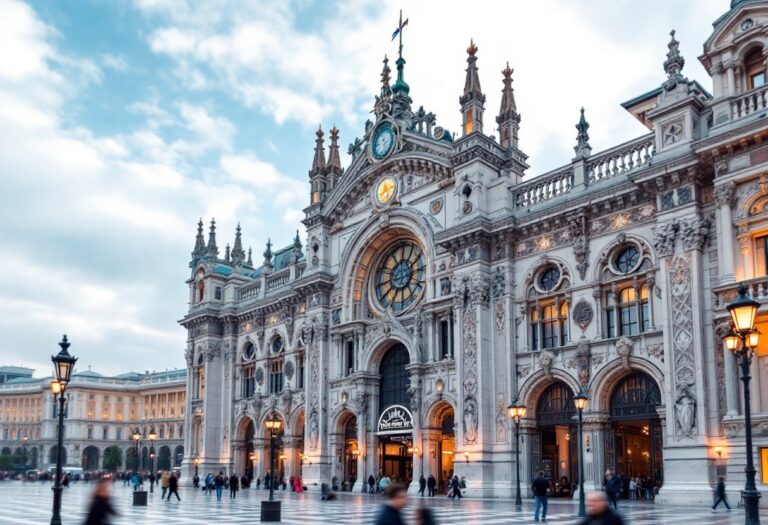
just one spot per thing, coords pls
(123, 122)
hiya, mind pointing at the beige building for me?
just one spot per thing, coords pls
(101, 411)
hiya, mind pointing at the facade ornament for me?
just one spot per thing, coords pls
(414, 395)
(683, 357)
(268, 254)
(314, 431)
(238, 254)
(288, 371)
(189, 355)
(199, 249)
(582, 148)
(725, 194)
(287, 399)
(212, 250)
(470, 420)
(624, 347)
(469, 355)
(685, 413)
(501, 420)
(692, 232)
(582, 314)
(545, 362)
(674, 64)
(500, 314)
(259, 375)
(499, 282)
(582, 361)
(578, 225)
(212, 351)
(664, 241)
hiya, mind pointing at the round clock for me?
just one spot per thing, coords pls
(383, 141)
(385, 190)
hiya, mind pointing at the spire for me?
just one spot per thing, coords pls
(227, 256)
(268, 254)
(249, 262)
(297, 241)
(400, 84)
(334, 161)
(473, 99)
(199, 250)
(508, 119)
(385, 78)
(674, 63)
(582, 149)
(213, 250)
(318, 163)
(238, 255)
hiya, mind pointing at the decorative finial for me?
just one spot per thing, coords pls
(64, 344)
(199, 249)
(318, 163)
(297, 241)
(385, 71)
(238, 254)
(250, 257)
(507, 71)
(674, 63)
(268, 253)
(400, 84)
(227, 256)
(582, 148)
(472, 49)
(212, 250)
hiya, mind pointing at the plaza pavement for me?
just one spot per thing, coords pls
(29, 503)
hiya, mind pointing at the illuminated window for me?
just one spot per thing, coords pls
(754, 66)
(764, 464)
(761, 256)
(469, 125)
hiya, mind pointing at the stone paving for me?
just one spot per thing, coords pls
(30, 504)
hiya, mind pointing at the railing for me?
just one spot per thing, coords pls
(250, 291)
(620, 159)
(544, 187)
(278, 280)
(757, 288)
(751, 102)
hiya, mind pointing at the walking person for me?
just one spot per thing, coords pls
(455, 488)
(599, 512)
(218, 483)
(431, 484)
(540, 488)
(234, 486)
(422, 485)
(397, 500)
(720, 494)
(164, 484)
(424, 516)
(613, 488)
(383, 484)
(173, 487)
(101, 507)
(632, 488)
(371, 484)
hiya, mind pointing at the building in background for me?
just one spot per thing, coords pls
(101, 412)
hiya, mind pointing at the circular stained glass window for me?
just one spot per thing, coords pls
(400, 277)
(549, 279)
(627, 259)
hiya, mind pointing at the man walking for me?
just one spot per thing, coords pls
(720, 494)
(431, 484)
(173, 487)
(234, 486)
(540, 487)
(455, 488)
(218, 483)
(397, 499)
(613, 488)
(422, 485)
(598, 511)
(164, 482)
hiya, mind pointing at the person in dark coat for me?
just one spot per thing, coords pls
(422, 485)
(599, 512)
(455, 488)
(540, 487)
(431, 484)
(613, 488)
(173, 487)
(424, 516)
(371, 484)
(234, 486)
(101, 507)
(720, 494)
(397, 499)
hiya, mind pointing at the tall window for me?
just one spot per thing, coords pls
(249, 380)
(445, 335)
(199, 377)
(350, 364)
(626, 304)
(276, 376)
(393, 389)
(548, 318)
(754, 66)
(761, 256)
(300, 361)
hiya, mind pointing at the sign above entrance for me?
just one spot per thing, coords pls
(395, 419)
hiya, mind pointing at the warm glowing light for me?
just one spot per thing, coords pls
(743, 311)
(580, 400)
(55, 387)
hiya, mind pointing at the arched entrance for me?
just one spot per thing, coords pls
(52, 455)
(395, 427)
(144, 458)
(164, 458)
(634, 442)
(178, 455)
(90, 458)
(446, 447)
(131, 459)
(556, 451)
(33, 457)
(280, 456)
(247, 459)
(351, 448)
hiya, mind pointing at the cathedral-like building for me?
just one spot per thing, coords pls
(437, 282)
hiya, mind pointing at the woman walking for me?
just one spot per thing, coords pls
(101, 507)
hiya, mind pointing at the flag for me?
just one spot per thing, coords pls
(397, 31)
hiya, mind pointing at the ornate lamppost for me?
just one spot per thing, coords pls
(270, 510)
(139, 496)
(517, 412)
(63, 364)
(742, 342)
(152, 436)
(196, 461)
(580, 400)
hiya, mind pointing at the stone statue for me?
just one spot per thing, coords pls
(470, 420)
(314, 432)
(685, 410)
(545, 362)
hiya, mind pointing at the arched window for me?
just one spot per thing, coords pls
(249, 370)
(277, 345)
(556, 405)
(754, 67)
(548, 325)
(626, 299)
(276, 376)
(200, 291)
(635, 397)
(393, 389)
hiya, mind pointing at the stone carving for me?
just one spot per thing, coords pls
(665, 238)
(582, 314)
(577, 223)
(683, 360)
(287, 399)
(473, 289)
(624, 347)
(470, 420)
(499, 282)
(672, 133)
(545, 362)
(469, 329)
(259, 375)
(583, 354)
(414, 395)
(721, 330)
(656, 351)
(212, 351)
(500, 314)
(288, 370)
(692, 233)
(523, 371)
(725, 193)
(314, 431)
(685, 413)
(501, 420)
(445, 286)
(189, 355)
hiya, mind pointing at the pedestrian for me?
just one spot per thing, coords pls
(424, 516)
(65, 481)
(383, 484)
(135, 481)
(633, 488)
(164, 482)
(234, 486)
(244, 483)
(267, 480)
(431, 483)
(151, 479)
(173, 487)
(371, 484)
(196, 481)
(650, 489)
(258, 483)
(613, 488)
(599, 512)
(540, 488)
(422, 485)
(397, 499)
(455, 488)
(218, 483)
(101, 507)
(209, 483)
(720, 494)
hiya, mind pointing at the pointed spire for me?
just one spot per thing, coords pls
(508, 118)
(674, 63)
(199, 250)
(318, 163)
(334, 161)
(227, 256)
(249, 262)
(238, 255)
(297, 241)
(212, 250)
(268, 254)
(473, 99)
(582, 148)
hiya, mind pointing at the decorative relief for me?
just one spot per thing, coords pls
(684, 365)
(624, 347)
(259, 375)
(469, 329)
(721, 330)
(500, 314)
(436, 206)
(189, 355)
(314, 431)
(445, 286)
(672, 133)
(414, 396)
(621, 220)
(545, 362)
(577, 223)
(212, 351)
(501, 419)
(582, 314)
(582, 362)
(288, 370)
(747, 193)
(692, 233)
(470, 420)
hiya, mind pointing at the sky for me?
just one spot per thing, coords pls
(122, 122)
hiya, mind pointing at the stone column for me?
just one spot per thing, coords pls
(596, 424)
(745, 245)
(724, 197)
(731, 80)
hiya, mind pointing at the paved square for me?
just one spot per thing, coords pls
(30, 504)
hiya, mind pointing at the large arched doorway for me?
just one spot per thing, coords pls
(395, 427)
(556, 453)
(248, 458)
(131, 459)
(634, 442)
(178, 455)
(280, 456)
(351, 449)
(163, 458)
(90, 458)
(446, 447)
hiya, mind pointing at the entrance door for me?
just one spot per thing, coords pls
(396, 463)
(446, 450)
(556, 452)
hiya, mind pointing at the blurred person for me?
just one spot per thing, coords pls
(397, 500)
(540, 487)
(599, 512)
(424, 516)
(101, 507)
(720, 494)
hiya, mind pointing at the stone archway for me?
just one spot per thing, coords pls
(440, 443)
(163, 458)
(90, 458)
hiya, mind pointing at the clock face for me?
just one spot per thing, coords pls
(385, 191)
(401, 277)
(383, 141)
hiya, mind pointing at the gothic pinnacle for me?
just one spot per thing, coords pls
(334, 161)
(212, 250)
(582, 148)
(250, 257)
(199, 250)
(268, 253)
(238, 255)
(674, 63)
(318, 163)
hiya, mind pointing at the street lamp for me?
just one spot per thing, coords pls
(580, 400)
(413, 451)
(517, 412)
(743, 311)
(63, 363)
(139, 496)
(196, 461)
(270, 510)
(152, 437)
(136, 437)
(439, 387)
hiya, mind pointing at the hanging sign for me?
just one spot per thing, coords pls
(395, 419)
